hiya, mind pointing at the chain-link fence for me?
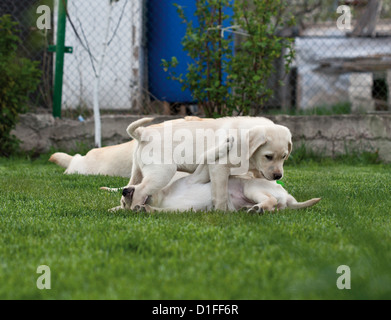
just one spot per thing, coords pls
(34, 45)
(344, 60)
(337, 65)
(106, 39)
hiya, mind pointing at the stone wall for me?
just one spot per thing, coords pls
(330, 135)
(41, 132)
(339, 134)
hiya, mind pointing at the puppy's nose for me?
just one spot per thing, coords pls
(277, 176)
(127, 191)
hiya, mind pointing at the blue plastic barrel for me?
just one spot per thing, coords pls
(165, 31)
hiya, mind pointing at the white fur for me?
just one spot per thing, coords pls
(252, 194)
(265, 138)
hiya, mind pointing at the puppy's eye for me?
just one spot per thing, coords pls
(269, 157)
(284, 156)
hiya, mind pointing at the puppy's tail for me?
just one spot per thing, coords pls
(132, 128)
(111, 189)
(61, 159)
(293, 204)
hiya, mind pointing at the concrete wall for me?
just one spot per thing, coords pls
(329, 134)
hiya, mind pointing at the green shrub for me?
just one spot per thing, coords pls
(19, 77)
(247, 68)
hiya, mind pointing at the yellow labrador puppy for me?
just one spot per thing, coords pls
(264, 147)
(252, 194)
(111, 161)
(114, 160)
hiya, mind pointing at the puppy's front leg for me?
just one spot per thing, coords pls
(263, 201)
(268, 204)
(115, 209)
(219, 176)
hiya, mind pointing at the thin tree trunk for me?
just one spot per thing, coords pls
(366, 24)
(98, 134)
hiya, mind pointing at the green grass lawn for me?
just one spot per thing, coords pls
(47, 218)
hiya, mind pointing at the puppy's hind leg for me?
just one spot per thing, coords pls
(156, 177)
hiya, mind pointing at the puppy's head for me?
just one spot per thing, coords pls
(269, 147)
(127, 197)
(128, 194)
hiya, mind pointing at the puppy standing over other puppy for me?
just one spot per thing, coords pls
(268, 147)
(252, 194)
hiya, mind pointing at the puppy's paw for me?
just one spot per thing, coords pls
(115, 209)
(138, 208)
(256, 209)
(226, 147)
(230, 142)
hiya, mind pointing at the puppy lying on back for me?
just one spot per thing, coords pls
(190, 193)
(252, 194)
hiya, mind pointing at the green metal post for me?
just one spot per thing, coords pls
(60, 51)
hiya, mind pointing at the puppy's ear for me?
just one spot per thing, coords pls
(289, 136)
(289, 148)
(256, 138)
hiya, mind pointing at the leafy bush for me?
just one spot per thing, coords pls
(209, 52)
(248, 69)
(19, 77)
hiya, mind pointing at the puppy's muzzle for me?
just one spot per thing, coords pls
(277, 176)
